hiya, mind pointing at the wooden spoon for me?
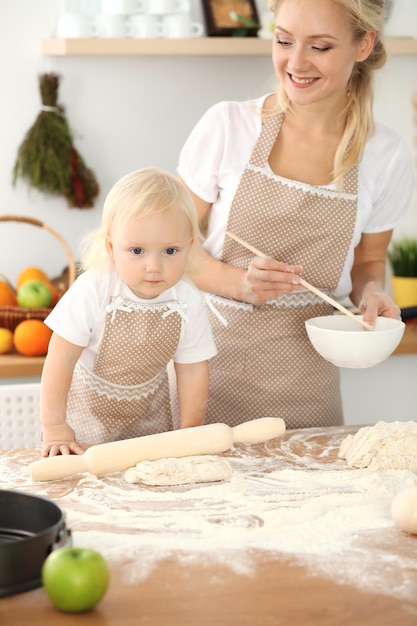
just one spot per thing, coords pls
(305, 284)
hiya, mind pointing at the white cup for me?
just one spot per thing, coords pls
(146, 26)
(166, 7)
(90, 7)
(69, 6)
(75, 25)
(181, 26)
(122, 7)
(112, 25)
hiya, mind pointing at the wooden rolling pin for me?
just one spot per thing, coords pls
(118, 456)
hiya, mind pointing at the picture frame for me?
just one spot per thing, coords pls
(220, 24)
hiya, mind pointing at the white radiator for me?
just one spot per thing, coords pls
(20, 425)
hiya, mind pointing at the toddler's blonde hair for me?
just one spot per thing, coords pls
(139, 194)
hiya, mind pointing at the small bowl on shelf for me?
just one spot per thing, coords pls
(342, 341)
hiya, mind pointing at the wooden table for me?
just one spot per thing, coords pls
(220, 553)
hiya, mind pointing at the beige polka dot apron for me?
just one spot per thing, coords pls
(271, 369)
(127, 393)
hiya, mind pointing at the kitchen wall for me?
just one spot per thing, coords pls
(128, 112)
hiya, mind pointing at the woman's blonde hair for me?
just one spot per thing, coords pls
(139, 194)
(364, 16)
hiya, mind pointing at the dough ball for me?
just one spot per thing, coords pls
(404, 509)
(179, 471)
(383, 446)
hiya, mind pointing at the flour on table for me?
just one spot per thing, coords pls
(386, 445)
(292, 499)
(179, 471)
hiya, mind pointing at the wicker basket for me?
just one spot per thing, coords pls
(11, 316)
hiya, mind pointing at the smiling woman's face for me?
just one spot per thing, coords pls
(314, 51)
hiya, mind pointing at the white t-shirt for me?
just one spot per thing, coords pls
(79, 316)
(215, 154)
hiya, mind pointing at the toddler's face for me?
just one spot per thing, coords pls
(151, 253)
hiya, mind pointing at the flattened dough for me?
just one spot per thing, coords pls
(386, 445)
(179, 471)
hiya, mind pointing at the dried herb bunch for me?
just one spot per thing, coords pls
(47, 159)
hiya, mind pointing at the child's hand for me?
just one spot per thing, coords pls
(59, 439)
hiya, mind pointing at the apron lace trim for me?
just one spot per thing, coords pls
(290, 300)
(322, 192)
(172, 306)
(102, 387)
(299, 298)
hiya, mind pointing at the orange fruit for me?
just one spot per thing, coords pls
(31, 273)
(31, 338)
(6, 341)
(7, 295)
(54, 292)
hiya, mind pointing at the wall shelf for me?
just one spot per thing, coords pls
(215, 46)
(17, 366)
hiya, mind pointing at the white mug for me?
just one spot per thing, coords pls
(76, 25)
(112, 25)
(122, 7)
(166, 7)
(146, 26)
(181, 26)
(90, 7)
(69, 6)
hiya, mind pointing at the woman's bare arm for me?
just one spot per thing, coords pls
(369, 277)
(265, 278)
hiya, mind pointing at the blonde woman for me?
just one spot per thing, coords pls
(308, 178)
(124, 319)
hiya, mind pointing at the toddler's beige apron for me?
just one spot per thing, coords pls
(127, 394)
(265, 364)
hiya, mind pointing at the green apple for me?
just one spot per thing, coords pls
(75, 579)
(34, 293)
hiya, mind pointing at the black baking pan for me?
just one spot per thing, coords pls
(30, 528)
(409, 313)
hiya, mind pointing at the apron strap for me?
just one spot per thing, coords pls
(270, 129)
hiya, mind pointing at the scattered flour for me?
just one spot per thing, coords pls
(297, 499)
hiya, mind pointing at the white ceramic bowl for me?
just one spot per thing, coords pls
(343, 342)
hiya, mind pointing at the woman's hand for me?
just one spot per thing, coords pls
(376, 303)
(59, 439)
(368, 278)
(266, 279)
